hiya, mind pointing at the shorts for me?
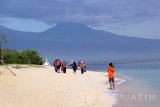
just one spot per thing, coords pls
(111, 79)
(58, 67)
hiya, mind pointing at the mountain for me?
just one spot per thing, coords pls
(78, 41)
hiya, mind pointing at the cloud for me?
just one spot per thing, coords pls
(86, 11)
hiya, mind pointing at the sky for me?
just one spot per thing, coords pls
(137, 18)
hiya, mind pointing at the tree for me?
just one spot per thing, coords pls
(3, 39)
(17, 57)
(24, 57)
(32, 57)
(9, 56)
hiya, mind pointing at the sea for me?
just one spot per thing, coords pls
(140, 83)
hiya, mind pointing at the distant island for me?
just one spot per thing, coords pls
(78, 41)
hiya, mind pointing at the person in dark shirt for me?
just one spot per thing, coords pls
(74, 67)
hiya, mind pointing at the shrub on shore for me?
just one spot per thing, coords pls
(22, 57)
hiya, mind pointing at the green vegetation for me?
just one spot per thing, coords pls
(21, 57)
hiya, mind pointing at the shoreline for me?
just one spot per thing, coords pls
(80, 90)
(41, 86)
(113, 93)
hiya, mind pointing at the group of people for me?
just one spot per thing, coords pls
(81, 65)
(61, 66)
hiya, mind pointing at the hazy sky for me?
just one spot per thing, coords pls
(140, 18)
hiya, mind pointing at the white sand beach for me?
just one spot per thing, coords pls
(42, 87)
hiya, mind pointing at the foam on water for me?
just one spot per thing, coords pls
(114, 93)
(119, 81)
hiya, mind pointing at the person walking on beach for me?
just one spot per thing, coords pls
(64, 66)
(74, 67)
(82, 67)
(55, 66)
(110, 71)
(58, 63)
(85, 67)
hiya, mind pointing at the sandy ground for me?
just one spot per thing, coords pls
(42, 87)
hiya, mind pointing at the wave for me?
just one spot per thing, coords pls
(113, 94)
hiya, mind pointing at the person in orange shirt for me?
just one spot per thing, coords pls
(110, 71)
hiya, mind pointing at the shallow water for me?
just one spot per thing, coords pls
(139, 79)
(143, 73)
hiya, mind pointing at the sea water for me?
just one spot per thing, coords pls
(143, 76)
(147, 73)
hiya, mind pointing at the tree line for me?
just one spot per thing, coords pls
(21, 57)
